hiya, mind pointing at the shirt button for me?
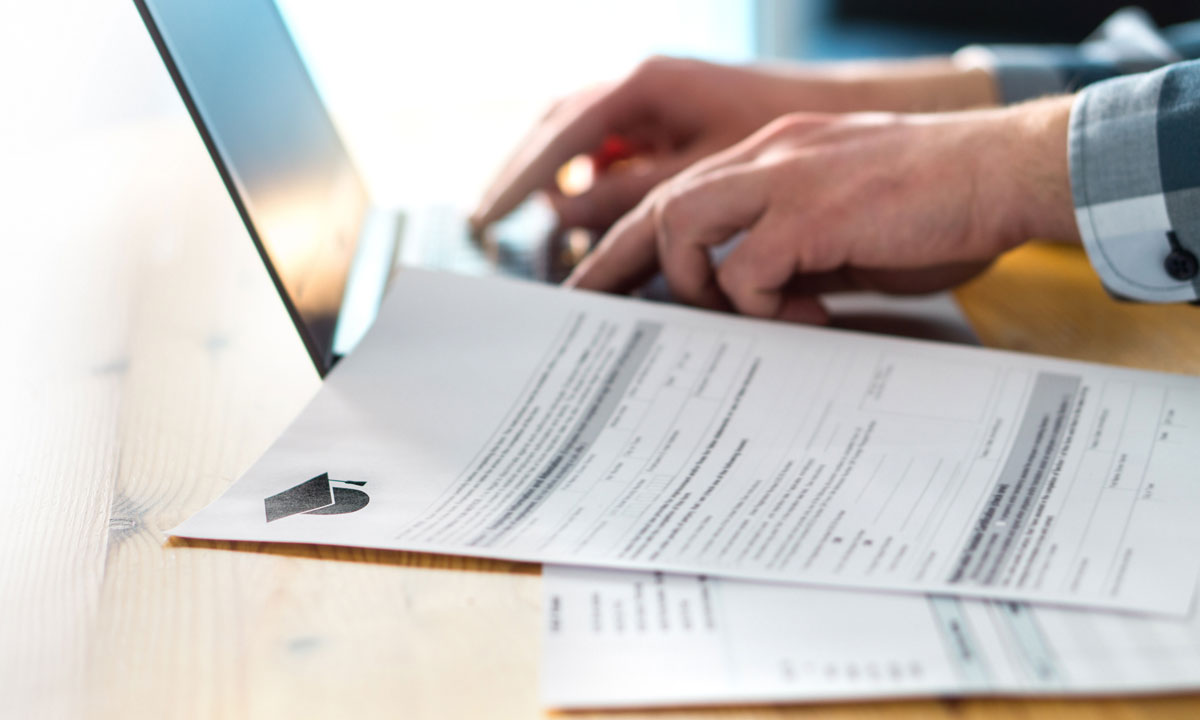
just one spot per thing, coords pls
(1181, 264)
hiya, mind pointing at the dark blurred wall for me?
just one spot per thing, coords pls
(1041, 20)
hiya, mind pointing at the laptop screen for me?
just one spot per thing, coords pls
(275, 146)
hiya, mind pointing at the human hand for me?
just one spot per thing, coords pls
(894, 203)
(669, 113)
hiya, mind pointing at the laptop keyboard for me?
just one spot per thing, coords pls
(439, 237)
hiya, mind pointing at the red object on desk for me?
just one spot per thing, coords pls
(612, 150)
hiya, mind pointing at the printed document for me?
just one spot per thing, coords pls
(624, 639)
(497, 418)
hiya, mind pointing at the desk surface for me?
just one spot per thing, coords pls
(153, 363)
(148, 362)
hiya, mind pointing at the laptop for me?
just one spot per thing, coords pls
(329, 250)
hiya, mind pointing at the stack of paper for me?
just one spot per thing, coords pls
(619, 638)
(500, 419)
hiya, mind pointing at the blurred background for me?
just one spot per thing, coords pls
(475, 75)
(431, 95)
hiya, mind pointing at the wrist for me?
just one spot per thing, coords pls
(1029, 158)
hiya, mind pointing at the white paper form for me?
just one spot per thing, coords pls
(626, 639)
(504, 419)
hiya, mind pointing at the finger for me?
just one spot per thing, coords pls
(755, 272)
(613, 194)
(697, 212)
(801, 308)
(625, 258)
(578, 126)
(776, 260)
(759, 280)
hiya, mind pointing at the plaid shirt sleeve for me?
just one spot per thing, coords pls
(1134, 146)
(1126, 43)
(1134, 149)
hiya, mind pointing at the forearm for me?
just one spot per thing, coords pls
(919, 85)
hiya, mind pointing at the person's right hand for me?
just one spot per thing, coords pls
(673, 112)
(814, 204)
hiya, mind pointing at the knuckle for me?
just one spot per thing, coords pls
(648, 70)
(671, 217)
(783, 126)
(657, 72)
(655, 64)
(808, 254)
(793, 125)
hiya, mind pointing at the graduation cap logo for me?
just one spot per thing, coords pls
(318, 496)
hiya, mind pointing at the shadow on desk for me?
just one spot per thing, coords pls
(401, 558)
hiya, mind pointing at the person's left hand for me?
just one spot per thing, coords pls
(895, 203)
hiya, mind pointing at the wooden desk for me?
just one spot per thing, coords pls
(147, 362)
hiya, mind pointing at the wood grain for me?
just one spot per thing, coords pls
(148, 362)
(161, 364)
(1045, 298)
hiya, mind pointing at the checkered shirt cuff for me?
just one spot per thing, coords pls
(1135, 175)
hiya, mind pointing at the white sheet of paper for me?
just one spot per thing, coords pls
(625, 639)
(491, 417)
